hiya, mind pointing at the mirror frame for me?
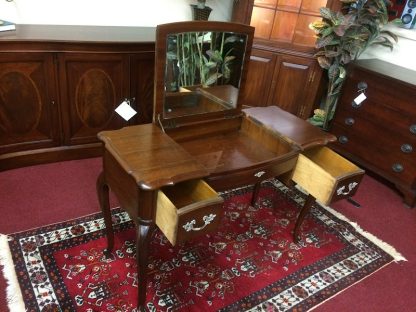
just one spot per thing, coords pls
(162, 32)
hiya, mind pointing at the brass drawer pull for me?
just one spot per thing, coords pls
(343, 139)
(351, 186)
(362, 86)
(413, 129)
(190, 225)
(397, 167)
(259, 174)
(349, 121)
(407, 148)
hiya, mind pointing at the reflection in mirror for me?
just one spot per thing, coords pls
(203, 71)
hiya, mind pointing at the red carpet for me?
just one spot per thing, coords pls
(250, 263)
(34, 196)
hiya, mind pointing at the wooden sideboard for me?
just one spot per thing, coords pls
(59, 86)
(380, 132)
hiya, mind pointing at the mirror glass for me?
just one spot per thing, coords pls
(202, 73)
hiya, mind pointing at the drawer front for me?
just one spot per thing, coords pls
(391, 162)
(370, 131)
(387, 118)
(380, 90)
(346, 187)
(201, 221)
(251, 176)
(188, 210)
(326, 175)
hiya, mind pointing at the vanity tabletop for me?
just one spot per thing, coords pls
(150, 156)
(292, 128)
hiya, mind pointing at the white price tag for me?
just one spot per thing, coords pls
(125, 110)
(359, 99)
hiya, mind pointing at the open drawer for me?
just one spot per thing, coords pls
(187, 210)
(326, 175)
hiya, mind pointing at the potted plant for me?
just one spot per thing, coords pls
(341, 38)
(200, 11)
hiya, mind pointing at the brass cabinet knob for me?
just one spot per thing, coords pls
(406, 148)
(349, 121)
(343, 139)
(397, 167)
(362, 86)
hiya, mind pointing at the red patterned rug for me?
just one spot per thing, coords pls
(251, 264)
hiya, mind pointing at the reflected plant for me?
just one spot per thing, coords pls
(200, 58)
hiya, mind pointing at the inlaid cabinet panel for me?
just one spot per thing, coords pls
(141, 86)
(28, 106)
(60, 86)
(94, 85)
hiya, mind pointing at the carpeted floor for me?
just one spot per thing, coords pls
(37, 195)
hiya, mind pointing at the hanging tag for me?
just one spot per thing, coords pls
(359, 99)
(125, 110)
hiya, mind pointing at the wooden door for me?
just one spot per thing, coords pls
(259, 78)
(141, 88)
(28, 107)
(92, 87)
(294, 86)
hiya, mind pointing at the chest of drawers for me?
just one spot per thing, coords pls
(380, 132)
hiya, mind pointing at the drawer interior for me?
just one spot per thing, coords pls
(326, 175)
(331, 162)
(187, 196)
(190, 201)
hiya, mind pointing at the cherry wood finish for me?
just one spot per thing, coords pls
(226, 148)
(61, 84)
(380, 133)
(283, 71)
(28, 107)
(288, 126)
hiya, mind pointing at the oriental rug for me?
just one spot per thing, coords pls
(250, 264)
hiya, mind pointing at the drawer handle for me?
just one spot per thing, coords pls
(362, 86)
(343, 139)
(407, 148)
(207, 220)
(349, 121)
(397, 168)
(413, 129)
(259, 174)
(351, 186)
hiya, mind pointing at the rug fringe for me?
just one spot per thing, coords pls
(13, 294)
(375, 240)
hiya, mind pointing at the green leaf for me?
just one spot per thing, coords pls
(322, 42)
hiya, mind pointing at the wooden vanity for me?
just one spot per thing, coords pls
(168, 173)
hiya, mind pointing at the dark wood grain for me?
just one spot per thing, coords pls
(290, 127)
(60, 86)
(381, 125)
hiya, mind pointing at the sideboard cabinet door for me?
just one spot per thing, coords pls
(142, 66)
(93, 85)
(294, 85)
(259, 78)
(28, 106)
(290, 82)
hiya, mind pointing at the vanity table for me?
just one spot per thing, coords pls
(167, 173)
